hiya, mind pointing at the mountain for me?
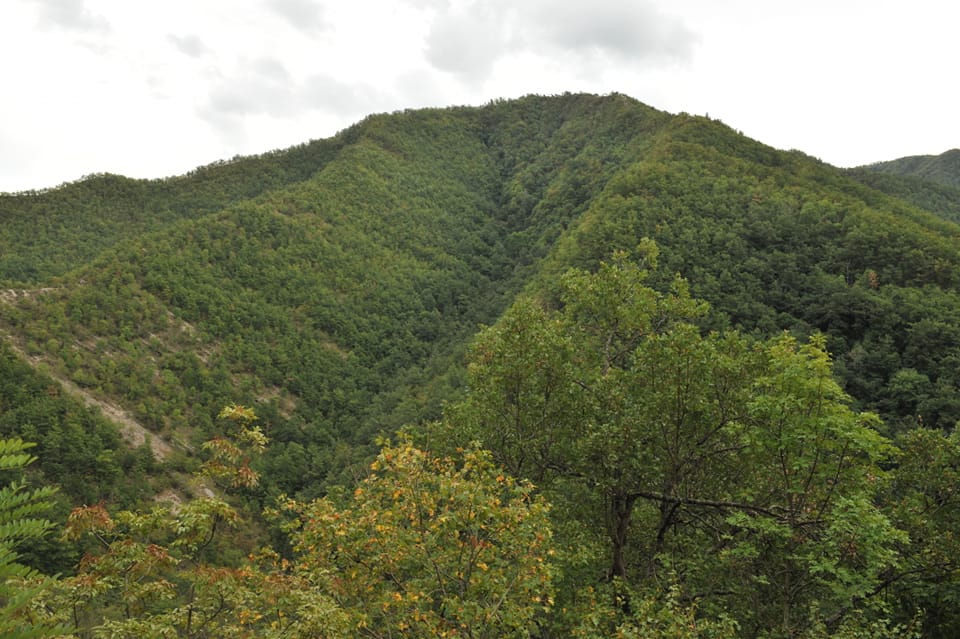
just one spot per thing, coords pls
(336, 288)
(335, 285)
(338, 303)
(942, 169)
(940, 199)
(931, 182)
(47, 233)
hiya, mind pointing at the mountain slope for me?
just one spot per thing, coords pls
(783, 242)
(941, 199)
(942, 169)
(338, 303)
(335, 286)
(50, 232)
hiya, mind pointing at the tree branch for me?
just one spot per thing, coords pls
(709, 503)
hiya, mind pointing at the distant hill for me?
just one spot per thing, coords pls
(931, 182)
(49, 232)
(942, 200)
(942, 169)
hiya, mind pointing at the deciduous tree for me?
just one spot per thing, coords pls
(431, 547)
(21, 519)
(734, 466)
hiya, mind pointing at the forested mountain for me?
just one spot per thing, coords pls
(931, 182)
(335, 303)
(940, 199)
(336, 288)
(942, 169)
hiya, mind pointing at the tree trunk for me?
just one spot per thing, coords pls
(621, 508)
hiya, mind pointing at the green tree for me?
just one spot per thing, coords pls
(21, 510)
(734, 466)
(599, 614)
(167, 572)
(431, 547)
(923, 498)
(812, 536)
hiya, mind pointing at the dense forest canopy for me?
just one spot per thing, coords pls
(654, 379)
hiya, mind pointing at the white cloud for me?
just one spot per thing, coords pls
(263, 89)
(428, 4)
(261, 86)
(467, 42)
(150, 88)
(324, 92)
(632, 30)
(189, 45)
(420, 88)
(305, 15)
(469, 38)
(70, 14)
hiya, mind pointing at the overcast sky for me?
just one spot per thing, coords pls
(151, 89)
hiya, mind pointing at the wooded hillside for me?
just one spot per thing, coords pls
(693, 345)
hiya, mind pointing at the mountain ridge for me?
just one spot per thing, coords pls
(942, 169)
(374, 256)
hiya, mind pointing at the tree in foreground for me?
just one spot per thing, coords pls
(425, 547)
(168, 573)
(21, 520)
(731, 467)
(431, 547)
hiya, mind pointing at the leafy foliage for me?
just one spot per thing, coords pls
(428, 547)
(166, 572)
(21, 520)
(431, 547)
(736, 465)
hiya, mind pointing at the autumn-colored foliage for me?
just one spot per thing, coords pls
(431, 547)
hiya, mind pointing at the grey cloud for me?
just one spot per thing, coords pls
(468, 42)
(631, 30)
(305, 15)
(270, 70)
(233, 99)
(264, 87)
(470, 39)
(326, 93)
(428, 4)
(70, 14)
(189, 45)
